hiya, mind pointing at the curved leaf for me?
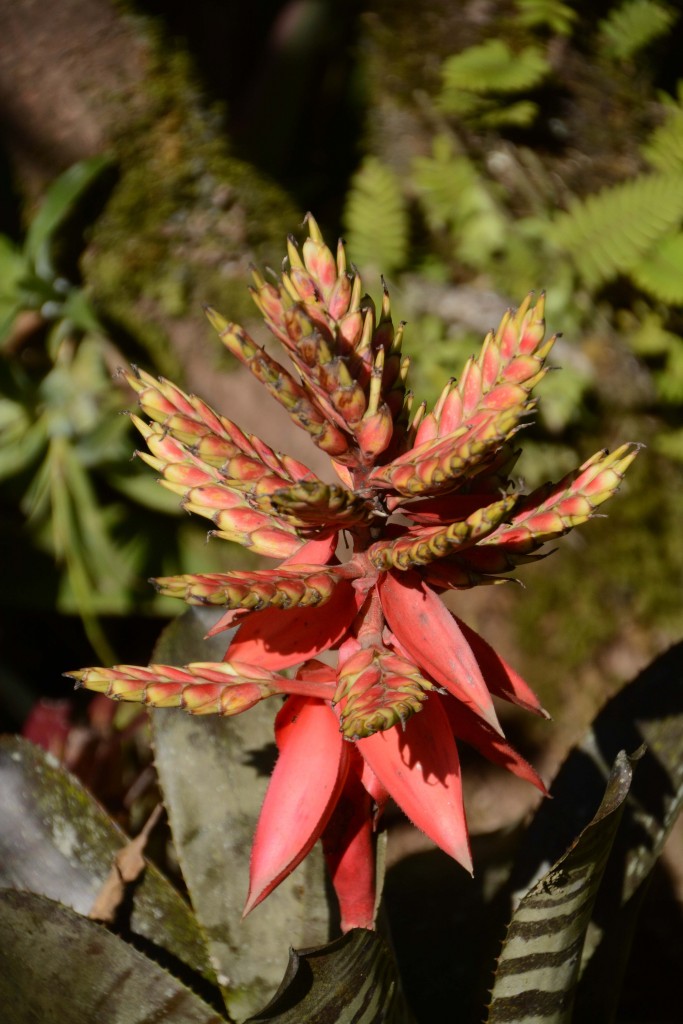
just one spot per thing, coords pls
(59, 202)
(538, 967)
(648, 711)
(57, 966)
(214, 774)
(350, 981)
(56, 841)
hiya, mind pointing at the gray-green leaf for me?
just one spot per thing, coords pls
(55, 840)
(57, 966)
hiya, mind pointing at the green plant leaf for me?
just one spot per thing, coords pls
(350, 981)
(660, 273)
(552, 14)
(491, 66)
(56, 841)
(633, 26)
(57, 966)
(60, 200)
(214, 773)
(648, 711)
(611, 231)
(664, 148)
(538, 967)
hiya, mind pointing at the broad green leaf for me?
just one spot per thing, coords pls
(60, 201)
(214, 773)
(55, 840)
(56, 966)
(351, 981)
(538, 967)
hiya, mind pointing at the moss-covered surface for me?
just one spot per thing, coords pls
(185, 218)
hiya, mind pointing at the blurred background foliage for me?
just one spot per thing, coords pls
(469, 152)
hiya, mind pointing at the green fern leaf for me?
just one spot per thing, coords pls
(670, 444)
(664, 148)
(453, 197)
(491, 67)
(376, 219)
(633, 26)
(550, 14)
(650, 337)
(517, 115)
(660, 273)
(610, 232)
(670, 380)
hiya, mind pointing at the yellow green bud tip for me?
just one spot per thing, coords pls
(313, 229)
(218, 322)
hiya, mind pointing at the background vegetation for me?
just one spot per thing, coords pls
(469, 152)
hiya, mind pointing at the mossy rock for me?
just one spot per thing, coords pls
(185, 218)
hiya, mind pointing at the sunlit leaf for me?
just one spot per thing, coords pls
(55, 840)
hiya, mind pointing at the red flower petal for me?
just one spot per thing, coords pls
(468, 727)
(500, 677)
(315, 552)
(421, 769)
(301, 795)
(277, 638)
(350, 853)
(428, 632)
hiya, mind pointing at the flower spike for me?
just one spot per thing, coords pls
(425, 502)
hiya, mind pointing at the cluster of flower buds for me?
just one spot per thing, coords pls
(424, 504)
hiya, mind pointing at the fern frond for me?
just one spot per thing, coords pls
(515, 115)
(491, 67)
(650, 337)
(660, 273)
(376, 218)
(669, 380)
(611, 231)
(670, 444)
(633, 26)
(552, 14)
(664, 148)
(453, 196)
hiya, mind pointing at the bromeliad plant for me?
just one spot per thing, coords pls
(425, 504)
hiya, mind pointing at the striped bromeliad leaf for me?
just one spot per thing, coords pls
(424, 503)
(538, 968)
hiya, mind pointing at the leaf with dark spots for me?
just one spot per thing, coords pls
(56, 966)
(55, 840)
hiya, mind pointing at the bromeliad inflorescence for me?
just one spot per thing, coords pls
(424, 504)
